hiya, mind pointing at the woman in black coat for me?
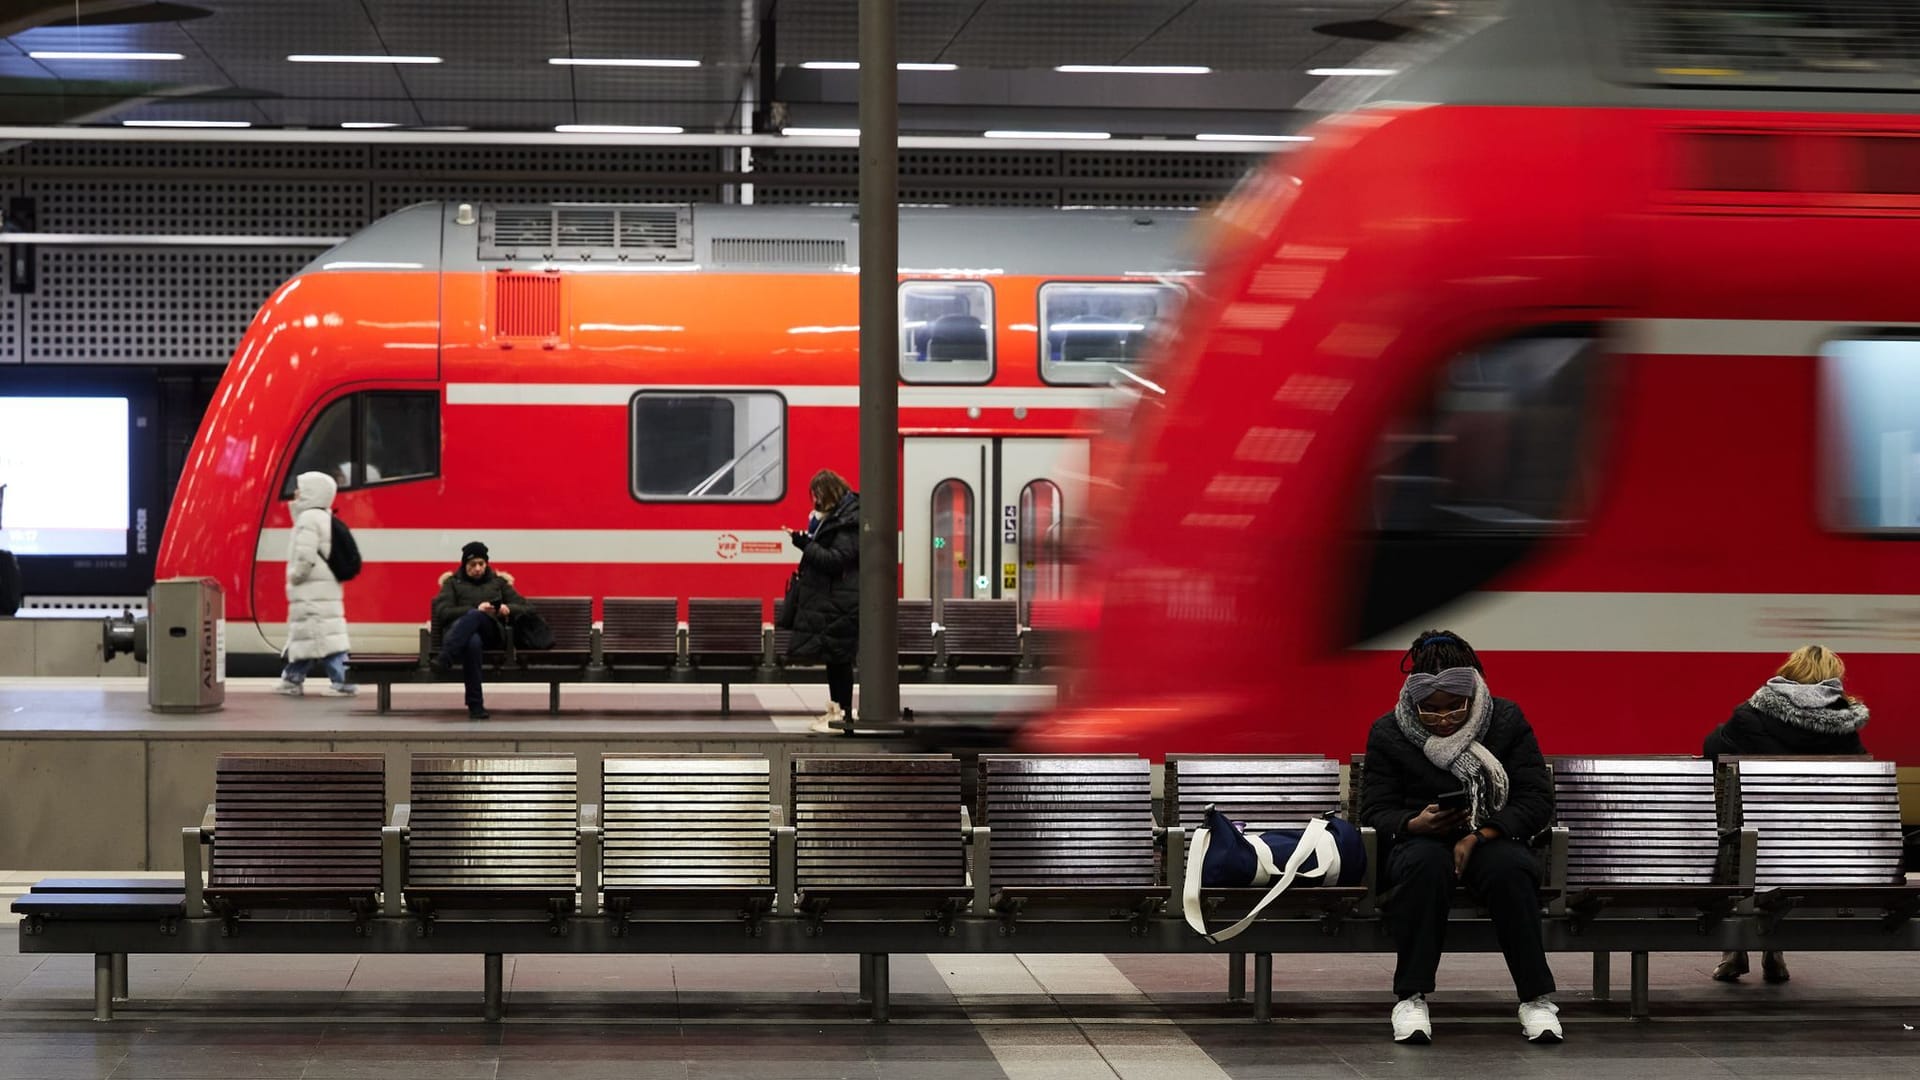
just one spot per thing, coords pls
(823, 602)
(1448, 734)
(1804, 710)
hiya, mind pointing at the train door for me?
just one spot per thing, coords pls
(987, 518)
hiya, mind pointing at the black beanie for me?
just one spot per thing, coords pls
(474, 550)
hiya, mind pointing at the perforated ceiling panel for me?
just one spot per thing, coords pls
(149, 305)
(1020, 178)
(389, 196)
(9, 318)
(200, 207)
(152, 157)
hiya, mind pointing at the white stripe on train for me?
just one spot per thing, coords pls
(564, 546)
(845, 396)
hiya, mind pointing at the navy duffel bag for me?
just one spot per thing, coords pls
(1326, 851)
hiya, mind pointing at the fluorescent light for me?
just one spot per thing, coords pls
(62, 55)
(1133, 69)
(367, 124)
(619, 129)
(854, 65)
(1224, 137)
(1048, 135)
(844, 133)
(374, 58)
(186, 123)
(621, 61)
(927, 67)
(1336, 72)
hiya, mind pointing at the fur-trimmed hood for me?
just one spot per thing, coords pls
(1817, 707)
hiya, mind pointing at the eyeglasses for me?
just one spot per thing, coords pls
(1436, 717)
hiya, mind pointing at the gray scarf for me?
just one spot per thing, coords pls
(1460, 753)
(1819, 707)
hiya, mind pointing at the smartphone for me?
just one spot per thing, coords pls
(1454, 800)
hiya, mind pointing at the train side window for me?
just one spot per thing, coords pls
(399, 436)
(953, 533)
(1043, 566)
(946, 332)
(1498, 459)
(1094, 328)
(328, 448)
(1870, 436)
(709, 447)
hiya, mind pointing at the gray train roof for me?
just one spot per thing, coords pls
(636, 238)
(1785, 55)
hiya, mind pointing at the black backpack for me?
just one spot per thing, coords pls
(343, 558)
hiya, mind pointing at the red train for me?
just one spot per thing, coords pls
(1599, 346)
(628, 401)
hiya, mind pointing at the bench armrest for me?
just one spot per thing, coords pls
(207, 823)
(1370, 881)
(589, 858)
(393, 861)
(1173, 839)
(786, 869)
(426, 644)
(193, 888)
(982, 844)
(966, 824)
(402, 816)
(1558, 839)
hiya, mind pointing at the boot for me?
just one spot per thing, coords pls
(1732, 965)
(1773, 967)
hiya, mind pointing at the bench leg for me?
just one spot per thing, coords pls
(1638, 1008)
(119, 976)
(495, 1008)
(1602, 976)
(726, 699)
(1263, 986)
(880, 972)
(103, 986)
(1236, 977)
(866, 978)
(383, 698)
(553, 698)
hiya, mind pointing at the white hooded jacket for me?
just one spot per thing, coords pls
(316, 607)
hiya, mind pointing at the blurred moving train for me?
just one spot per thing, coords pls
(1595, 339)
(629, 400)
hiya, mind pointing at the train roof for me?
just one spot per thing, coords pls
(1780, 56)
(638, 238)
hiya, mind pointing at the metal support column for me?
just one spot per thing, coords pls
(879, 363)
(120, 976)
(1263, 986)
(1236, 976)
(1638, 1007)
(1602, 976)
(866, 978)
(495, 1006)
(103, 986)
(879, 967)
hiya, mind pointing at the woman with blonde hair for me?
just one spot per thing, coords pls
(1804, 710)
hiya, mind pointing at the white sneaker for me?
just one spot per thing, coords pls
(1540, 1021)
(291, 689)
(1410, 1023)
(345, 689)
(824, 725)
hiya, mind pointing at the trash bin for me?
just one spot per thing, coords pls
(186, 645)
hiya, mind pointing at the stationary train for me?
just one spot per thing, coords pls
(630, 400)
(1596, 340)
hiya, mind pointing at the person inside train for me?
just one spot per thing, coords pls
(1803, 710)
(316, 604)
(471, 613)
(1454, 781)
(823, 602)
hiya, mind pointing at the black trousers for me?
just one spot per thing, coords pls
(1501, 874)
(466, 644)
(840, 686)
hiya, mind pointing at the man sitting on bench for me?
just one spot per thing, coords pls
(472, 610)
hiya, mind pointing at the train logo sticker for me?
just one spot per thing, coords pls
(728, 546)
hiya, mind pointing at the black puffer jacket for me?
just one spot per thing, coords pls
(1397, 781)
(1753, 733)
(826, 598)
(460, 594)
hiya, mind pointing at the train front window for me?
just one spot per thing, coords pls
(328, 448)
(946, 332)
(709, 447)
(1094, 329)
(399, 437)
(1870, 436)
(1497, 459)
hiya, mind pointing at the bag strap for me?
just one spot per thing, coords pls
(1314, 839)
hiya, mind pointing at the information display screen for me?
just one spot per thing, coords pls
(65, 464)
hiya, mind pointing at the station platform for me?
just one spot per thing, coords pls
(93, 778)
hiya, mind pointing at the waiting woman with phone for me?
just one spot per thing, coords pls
(1455, 782)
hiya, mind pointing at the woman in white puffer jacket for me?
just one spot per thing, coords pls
(316, 606)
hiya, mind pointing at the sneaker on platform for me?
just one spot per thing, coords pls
(1410, 1022)
(345, 689)
(823, 724)
(1540, 1021)
(290, 689)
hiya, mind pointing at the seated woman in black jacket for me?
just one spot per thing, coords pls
(1447, 734)
(1803, 710)
(471, 612)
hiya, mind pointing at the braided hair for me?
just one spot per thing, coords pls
(1437, 650)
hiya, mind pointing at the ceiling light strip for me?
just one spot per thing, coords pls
(621, 62)
(1134, 69)
(59, 54)
(371, 58)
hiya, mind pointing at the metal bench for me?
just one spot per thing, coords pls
(724, 633)
(1070, 832)
(687, 833)
(1829, 835)
(1047, 632)
(913, 621)
(981, 633)
(294, 830)
(640, 631)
